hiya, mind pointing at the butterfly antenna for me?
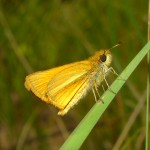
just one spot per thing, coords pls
(118, 44)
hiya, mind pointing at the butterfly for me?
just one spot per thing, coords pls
(64, 86)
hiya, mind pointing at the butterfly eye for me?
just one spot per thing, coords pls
(103, 58)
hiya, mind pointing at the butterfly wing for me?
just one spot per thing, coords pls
(70, 94)
(69, 85)
(39, 82)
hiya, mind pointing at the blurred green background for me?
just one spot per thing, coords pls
(37, 35)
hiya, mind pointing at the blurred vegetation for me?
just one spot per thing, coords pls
(37, 35)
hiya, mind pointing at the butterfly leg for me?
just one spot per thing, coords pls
(111, 69)
(94, 95)
(108, 85)
(95, 87)
(103, 88)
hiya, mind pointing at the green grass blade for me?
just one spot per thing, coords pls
(148, 84)
(147, 103)
(78, 136)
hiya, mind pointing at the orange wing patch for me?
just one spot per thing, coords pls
(39, 82)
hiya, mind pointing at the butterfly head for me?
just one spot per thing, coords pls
(105, 57)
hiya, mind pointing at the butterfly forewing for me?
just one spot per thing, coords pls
(64, 86)
(67, 76)
(45, 84)
(37, 82)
